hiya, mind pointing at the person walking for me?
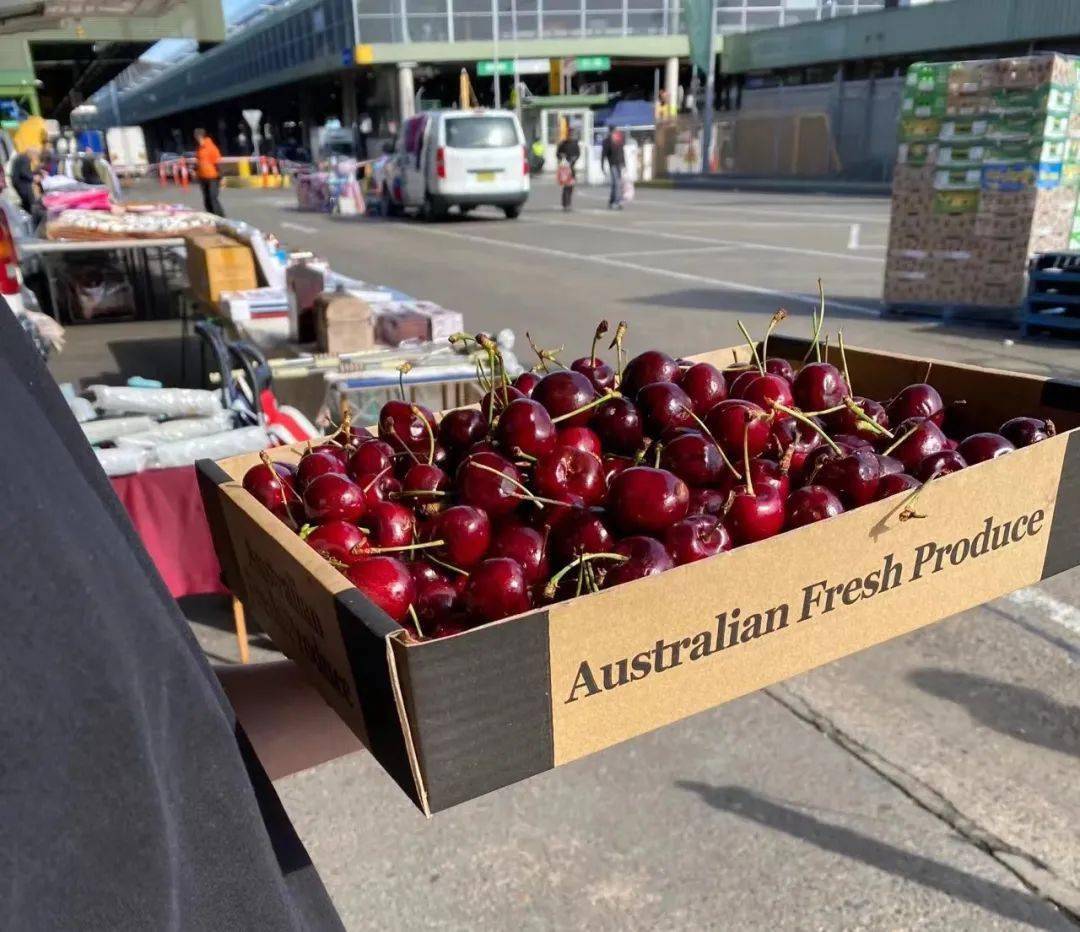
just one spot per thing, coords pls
(613, 155)
(567, 154)
(207, 158)
(25, 175)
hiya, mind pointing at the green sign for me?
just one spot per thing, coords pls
(485, 69)
(593, 63)
(698, 16)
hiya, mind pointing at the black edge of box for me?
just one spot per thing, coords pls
(364, 629)
(480, 709)
(1063, 544)
(787, 347)
(210, 476)
(1062, 394)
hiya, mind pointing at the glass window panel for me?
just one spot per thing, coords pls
(801, 4)
(561, 24)
(730, 18)
(645, 23)
(428, 29)
(425, 6)
(799, 16)
(472, 6)
(772, 3)
(527, 25)
(554, 5)
(758, 20)
(376, 29)
(600, 24)
(476, 26)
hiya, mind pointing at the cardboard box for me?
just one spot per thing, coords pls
(916, 153)
(217, 263)
(343, 324)
(908, 291)
(927, 77)
(1034, 70)
(456, 718)
(1019, 176)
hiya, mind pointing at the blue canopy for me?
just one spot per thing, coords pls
(628, 113)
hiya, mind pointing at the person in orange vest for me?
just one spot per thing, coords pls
(207, 158)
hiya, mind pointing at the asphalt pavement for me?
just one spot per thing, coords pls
(929, 783)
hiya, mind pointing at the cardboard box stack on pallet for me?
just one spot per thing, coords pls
(987, 173)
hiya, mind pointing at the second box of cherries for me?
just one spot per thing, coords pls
(567, 480)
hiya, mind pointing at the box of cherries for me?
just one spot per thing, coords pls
(610, 543)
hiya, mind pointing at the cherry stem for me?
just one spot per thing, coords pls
(580, 577)
(752, 345)
(849, 403)
(832, 410)
(779, 316)
(553, 584)
(843, 360)
(415, 492)
(402, 369)
(382, 472)
(617, 345)
(817, 319)
(708, 433)
(265, 457)
(431, 434)
(392, 430)
(521, 454)
(585, 407)
(926, 378)
(1051, 430)
(416, 621)
(657, 450)
(899, 441)
(746, 458)
(524, 488)
(799, 416)
(485, 385)
(448, 566)
(398, 549)
(601, 329)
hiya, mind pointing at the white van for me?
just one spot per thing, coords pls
(457, 158)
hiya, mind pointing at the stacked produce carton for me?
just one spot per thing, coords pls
(987, 173)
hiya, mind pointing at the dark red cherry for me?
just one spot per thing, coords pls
(981, 447)
(730, 420)
(694, 458)
(646, 556)
(1024, 431)
(372, 457)
(386, 582)
(568, 471)
(926, 438)
(848, 422)
(526, 382)
(617, 422)
(894, 483)
(496, 589)
(526, 546)
(581, 438)
(768, 390)
(774, 365)
(705, 385)
(613, 465)
(794, 437)
(333, 496)
(498, 399)
(596, 371)
(939, 464)
(460, 429)
(525, 427)
(756, 515)
(424, 572)
(819, 385)
(579, 532)
(707, 501)
(499, 492)
(436, 603)
(390, 524)
(919, 400)
(648, 500)
(401, 424)
(889, 464)
(380, 486)
(740, 380)
(341, 541)
(854, 476)
(274, 488)
(663, 405)
(811, 503)
(565, 391)
(318, 462)
(466, 535)
(766, 472)
(646, 368)
(696, 537)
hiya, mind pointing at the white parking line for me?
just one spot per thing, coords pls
(664, 252)
(731, 221)
(1053, 609)
(647, 269)
(690, 238)
(289, 225)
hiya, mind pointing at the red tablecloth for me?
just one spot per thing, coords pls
(167, 511)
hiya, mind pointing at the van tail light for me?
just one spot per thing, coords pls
(440, 162)
(9, 262)
(524, 161)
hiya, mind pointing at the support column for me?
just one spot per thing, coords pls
(348, 99)
(307, 118)
(406, 89)
(671, 86)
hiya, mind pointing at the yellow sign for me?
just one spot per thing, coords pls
(364, 54)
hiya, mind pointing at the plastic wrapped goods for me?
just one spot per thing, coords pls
(214, 447)
(159, 402)
(184, 428)
(122, 462)
(107, 429)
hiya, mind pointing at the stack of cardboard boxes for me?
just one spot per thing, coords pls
(987, 173)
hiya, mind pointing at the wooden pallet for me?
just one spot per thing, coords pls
(1053, 298)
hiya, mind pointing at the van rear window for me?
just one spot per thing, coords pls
(481, 133)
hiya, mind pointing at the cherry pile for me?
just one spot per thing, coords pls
(576, 478)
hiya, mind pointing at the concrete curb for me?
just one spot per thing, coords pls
(778, 185)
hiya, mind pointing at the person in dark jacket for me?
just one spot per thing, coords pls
(613, 155)
(568, 151)
(23, 178)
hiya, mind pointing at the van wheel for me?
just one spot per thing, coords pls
(432, 210)
(513, 211)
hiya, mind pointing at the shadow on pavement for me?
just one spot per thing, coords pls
(1016, 711)
(986, 894)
